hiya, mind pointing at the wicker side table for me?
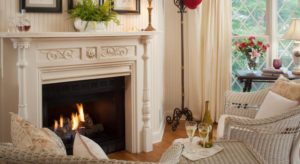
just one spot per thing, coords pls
(234, 153)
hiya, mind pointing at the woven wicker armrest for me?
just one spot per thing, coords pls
(247, 97)
(248, 112)
(7, 144)
(9, 154)
(244, 104)
(231, 121)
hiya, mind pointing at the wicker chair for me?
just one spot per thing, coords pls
(10, 154)
(272, 140)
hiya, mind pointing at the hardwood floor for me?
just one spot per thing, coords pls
(158, 149)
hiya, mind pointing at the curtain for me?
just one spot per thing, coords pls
(209, 56)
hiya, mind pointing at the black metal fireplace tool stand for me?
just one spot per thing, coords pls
(179, 112)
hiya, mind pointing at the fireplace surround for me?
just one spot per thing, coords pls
(50, 58)
(103, 102)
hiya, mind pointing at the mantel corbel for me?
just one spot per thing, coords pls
(22, 45)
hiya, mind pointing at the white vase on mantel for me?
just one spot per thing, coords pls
(89, 26)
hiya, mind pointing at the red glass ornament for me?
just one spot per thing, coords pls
(192, 4)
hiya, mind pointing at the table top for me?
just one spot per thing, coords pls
(234, 153)
(258, 75)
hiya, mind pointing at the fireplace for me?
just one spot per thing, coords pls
(102, 115)
(45, 59)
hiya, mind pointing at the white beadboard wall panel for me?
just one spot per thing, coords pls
(163, 93)
(157, 65)
(172, 61)
(60, 22)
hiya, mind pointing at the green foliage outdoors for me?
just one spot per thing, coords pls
(88, 11)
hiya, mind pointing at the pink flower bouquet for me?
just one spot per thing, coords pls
(252, 48)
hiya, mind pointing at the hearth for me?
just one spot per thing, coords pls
(95, 108)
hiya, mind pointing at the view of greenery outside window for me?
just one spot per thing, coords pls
(249, 18)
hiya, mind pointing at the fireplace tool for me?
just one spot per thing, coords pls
(179, 112)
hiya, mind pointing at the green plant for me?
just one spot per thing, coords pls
(89, 11)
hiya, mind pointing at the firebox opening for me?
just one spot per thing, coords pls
(103, 103)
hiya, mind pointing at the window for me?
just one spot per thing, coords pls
(267, 19)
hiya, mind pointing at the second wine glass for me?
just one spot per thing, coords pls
(190, 127)
(204, 130)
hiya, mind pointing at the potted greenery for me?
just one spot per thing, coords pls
(89, 16)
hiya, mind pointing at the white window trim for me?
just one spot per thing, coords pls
(272, 30)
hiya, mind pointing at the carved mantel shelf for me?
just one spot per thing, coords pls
(74, 34)
(53, 57)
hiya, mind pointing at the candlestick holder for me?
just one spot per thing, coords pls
(150, 27)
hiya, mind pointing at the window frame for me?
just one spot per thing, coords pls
(271, 35)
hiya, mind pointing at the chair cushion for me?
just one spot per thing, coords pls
(26, 136)
(86, 148)
(275, 104)
(286, 88)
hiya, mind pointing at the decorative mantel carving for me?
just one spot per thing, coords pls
(58, 57)
(60, 54)
(116, 51)
(91, 53)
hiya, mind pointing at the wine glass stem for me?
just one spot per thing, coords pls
(191, 139)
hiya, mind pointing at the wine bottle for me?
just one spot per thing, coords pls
(208, 120)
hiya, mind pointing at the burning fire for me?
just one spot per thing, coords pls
(76, 118)
(55, 125)
(61, 121)
(75, 121)
(80, 111)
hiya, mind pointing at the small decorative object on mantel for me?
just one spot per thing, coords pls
(22, 23)
(252, 49)
(179, 112)
(150, 27)
(90, 16)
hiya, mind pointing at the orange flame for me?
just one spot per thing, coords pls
(61, 121)
(55, 125)
(75, 121)
(80, 111)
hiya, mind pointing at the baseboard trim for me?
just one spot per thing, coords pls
(158, 135)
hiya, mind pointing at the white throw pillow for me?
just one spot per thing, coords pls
(274, 105)
(86, 148)
(27, 137)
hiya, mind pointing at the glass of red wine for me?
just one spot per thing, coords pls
(277, 63)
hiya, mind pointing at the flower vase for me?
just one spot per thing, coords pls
(252, 64)
(88, 26)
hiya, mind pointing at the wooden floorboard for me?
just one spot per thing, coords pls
(158, 149)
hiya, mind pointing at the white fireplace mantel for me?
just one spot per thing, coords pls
(52, 57)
